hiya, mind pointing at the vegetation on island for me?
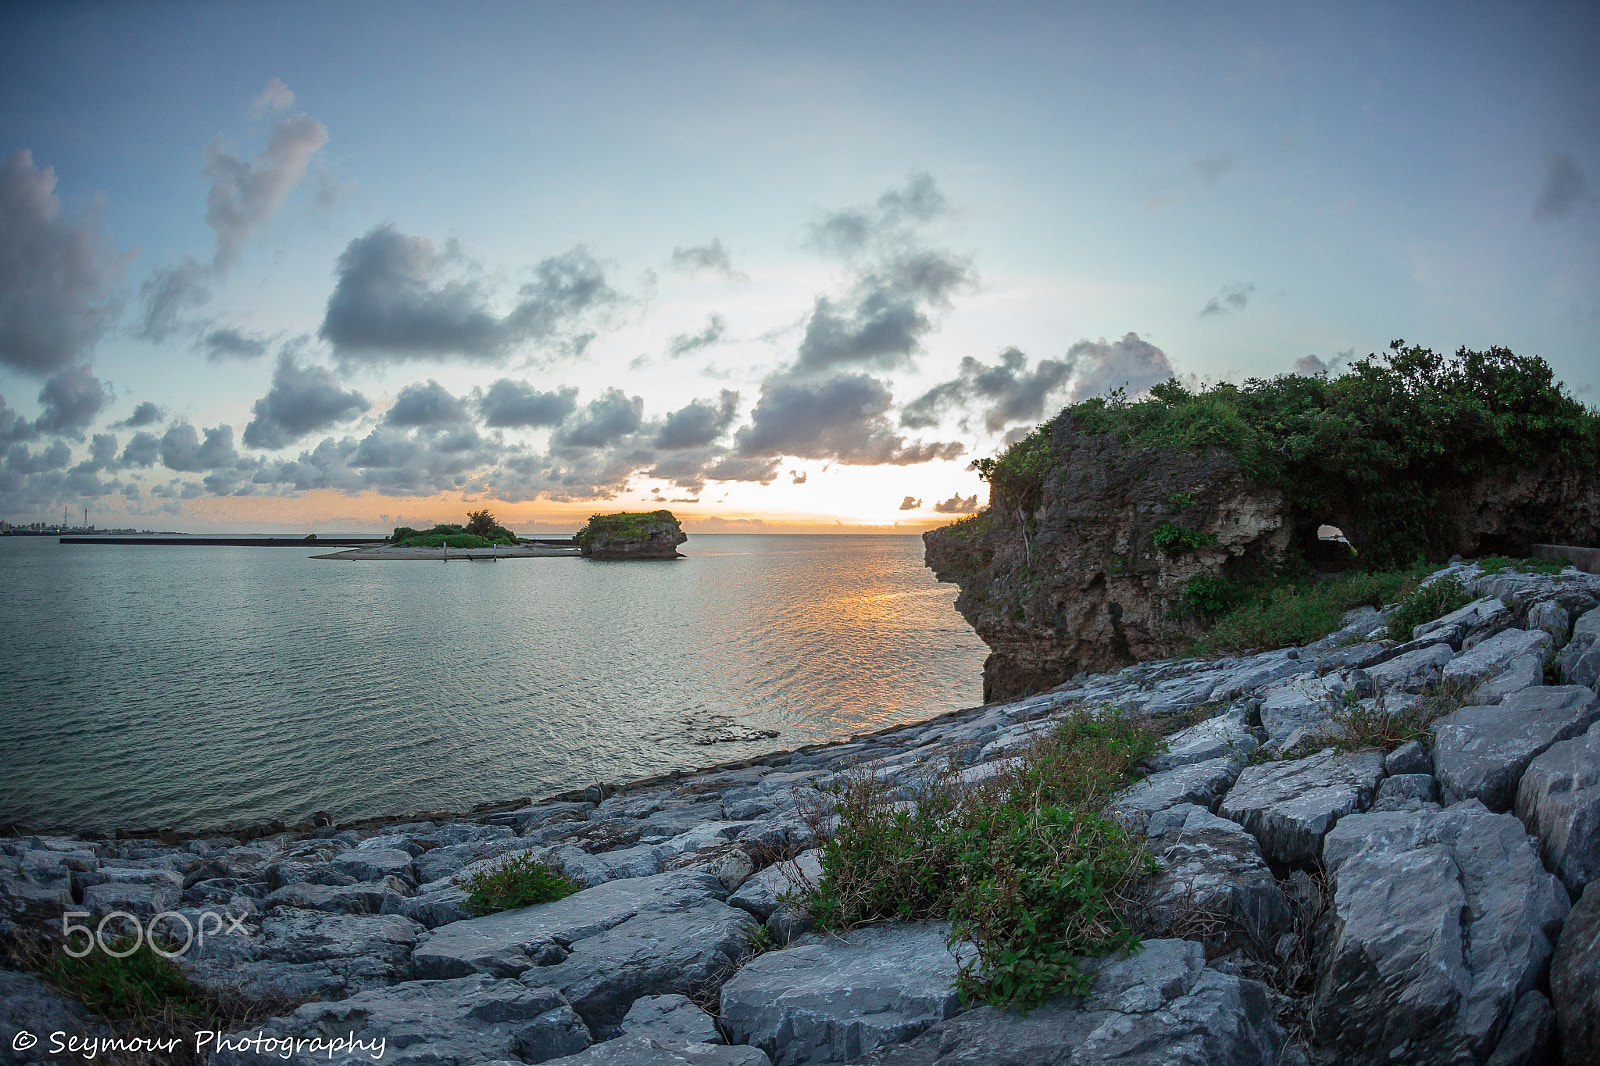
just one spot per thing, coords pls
(626, 525)
(1389, 435)
(1026, 865)
(480, 531)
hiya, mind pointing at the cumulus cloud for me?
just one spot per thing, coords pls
(910, 503)
(21, 460)
(607, 418)
(56, 273)
(1310, 366)
(398, 297)
(710, 258)
(71, 398)
(957, 504)
(1228, 298)
(853, 229)
(882, 322)
(182, 449)
(1131, 363)
(303, 400)
(228, 343)
(429, 404)
(145, 414)
(143, 450)
(684, 343)
(841, 418)
(244, 196)
(1564, 188)
(518, 405)
(1013, 393)
(13, 426)
(698, 423)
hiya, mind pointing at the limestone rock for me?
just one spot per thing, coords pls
(763, 893)
(834, 999)
(670, 1017)
(1211, 865)
(1551, 617)
(1199, 783)
(658, 1051)
(1495, 655)
(1481, 752)
(1574, 991)
(1559, 801)
(459, 1022)
(1484, 617)
(1302, 707)
(1160, 1007)
(1526, 1040)
(1403, 792)
(1441, 921)
(1228, 734)
(303, 954)
(28, 1006)
(1412, 671)
(653, 535)
(1289, 805)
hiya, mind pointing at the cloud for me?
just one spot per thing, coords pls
(1228, 298)
(684, 343)
(396, 298)
(1130, 363)
(609, 417)
(710, 258)
(798, 477)
(518, 405)
(853, 229)
(882, 322)
(303, 400)
(143, 450)
(275, 97)
(1014, 394)
(146, 414)
(841, 418)
(1310, 366)
(427, 404)
(910, 503)
(56, 274)
(20, 460)
(1564, 188)
(699, 423)
(182, 449)
(245, 194)
(71, 398)
(102, 454)
(957, 504)
(229, 343)
(13, 426)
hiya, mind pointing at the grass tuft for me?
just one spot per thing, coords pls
(519, 881)
(1425, 603)
(1025, 865)
(1290, 613)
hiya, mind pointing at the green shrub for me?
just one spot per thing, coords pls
(1171, 539)
(1017, 475)
(973, 525)
(1209, 596)
(140, 985)
(1376, 726)
(519, 881)
(1436, 598)
(1290, 613)
(1024, 865)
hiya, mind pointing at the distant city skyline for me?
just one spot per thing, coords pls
(775, 266)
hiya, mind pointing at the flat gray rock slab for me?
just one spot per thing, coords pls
(1558, 800)
(670, 1017)
(1480, 615)
(1494, 655)
(1441, 921)
(657, 1051)
(1574, 990)
(1227, 735)
(1304, 706)
(762, 893)
(1481, 752)
(1212, 865)
(1290, 805)
(308, 953)
(26, 1006)
(1199, 783)
(1161, 1007)
(1412, 671)
(833, 999)
(460, 1022)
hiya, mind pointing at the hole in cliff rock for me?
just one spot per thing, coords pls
(1331, 533)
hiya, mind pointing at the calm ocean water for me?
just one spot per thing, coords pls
(196, 687)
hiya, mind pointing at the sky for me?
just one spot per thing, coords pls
(776, 266)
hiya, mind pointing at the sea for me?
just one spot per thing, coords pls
(191, 687)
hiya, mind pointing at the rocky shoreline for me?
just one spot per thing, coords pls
(1434, 903)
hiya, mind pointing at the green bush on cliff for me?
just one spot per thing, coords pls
(1386, 439)
(625, 525)
(1025, 865)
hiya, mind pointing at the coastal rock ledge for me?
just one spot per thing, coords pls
(1320, 907)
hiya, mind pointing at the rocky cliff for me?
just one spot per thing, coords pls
(631, 535)
(1095, 562)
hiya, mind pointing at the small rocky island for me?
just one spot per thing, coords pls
(632, 535)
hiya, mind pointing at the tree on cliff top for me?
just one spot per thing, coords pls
(1393, 433)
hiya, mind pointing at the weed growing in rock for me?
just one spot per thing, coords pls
(133, 986)
(1170, 539)
(519, 881)
(1377, 725)
(1427, 602)
(1024, 865)
(1291, 613)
